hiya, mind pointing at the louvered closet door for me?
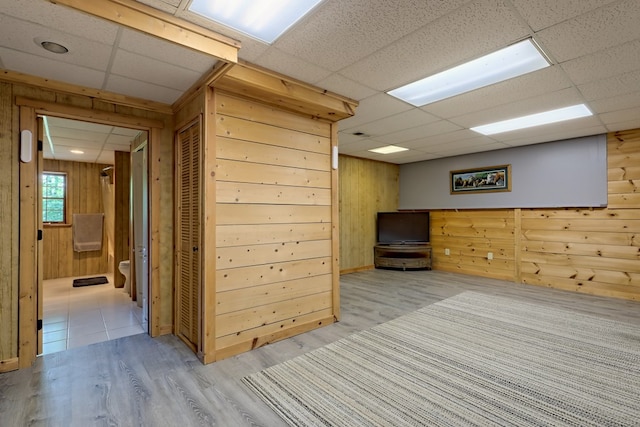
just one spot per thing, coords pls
(188, 288)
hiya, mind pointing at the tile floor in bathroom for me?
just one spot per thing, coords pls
(75, 317)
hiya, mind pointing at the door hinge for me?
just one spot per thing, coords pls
(39, 324)
(39, 145)
(39, 234)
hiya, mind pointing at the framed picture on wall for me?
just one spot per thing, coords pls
(481, 180)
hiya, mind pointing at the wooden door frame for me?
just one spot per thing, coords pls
(29, 109)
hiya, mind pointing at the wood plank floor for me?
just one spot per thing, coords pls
(158, 382)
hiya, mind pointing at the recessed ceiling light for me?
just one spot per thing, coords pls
(389, 149)
(54, 47)
(77, 151)
(265, 20)
(544, 118)
(509, 62)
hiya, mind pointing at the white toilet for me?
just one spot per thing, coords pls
(125, 268)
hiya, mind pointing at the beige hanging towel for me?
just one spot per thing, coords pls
(87, 232)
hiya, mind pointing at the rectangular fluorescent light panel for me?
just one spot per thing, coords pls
(389, 149)
(265, 20)
(545, 118)
(512, 61)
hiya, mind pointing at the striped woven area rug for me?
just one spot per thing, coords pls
(470, 360)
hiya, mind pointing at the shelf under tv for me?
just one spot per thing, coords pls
(403, 256)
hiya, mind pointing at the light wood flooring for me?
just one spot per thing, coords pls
(140, 381)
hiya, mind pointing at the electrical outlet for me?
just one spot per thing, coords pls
(490, 255)
(447, 252)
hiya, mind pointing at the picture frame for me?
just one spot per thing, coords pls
(489, 179)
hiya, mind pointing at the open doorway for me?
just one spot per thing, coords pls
(94, 161)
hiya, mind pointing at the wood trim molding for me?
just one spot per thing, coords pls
(55, 85)
(67, 111)
(335, 230)
(159, 24)
(9, 365)
(272, 88)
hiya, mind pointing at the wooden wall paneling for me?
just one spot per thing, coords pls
(365, 188)
(470, 235)
(27, 303)
(8, 230)
(335, 224)
(84, 195)
(274, 225)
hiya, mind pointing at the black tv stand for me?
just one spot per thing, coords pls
(403, 256)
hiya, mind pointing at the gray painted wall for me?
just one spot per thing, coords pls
(569, 173)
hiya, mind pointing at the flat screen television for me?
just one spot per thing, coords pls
(396, 228)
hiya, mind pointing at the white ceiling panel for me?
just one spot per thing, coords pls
(594, 31)
(359, 49)
(152, 47)
(529, 86)
(142, 89)
(541, 14)
(485, 25)
(538, 104)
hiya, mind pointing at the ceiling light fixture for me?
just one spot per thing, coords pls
(389, 149)
(54, 47)
(77, 151)
(544, 118)
(265, 20)
(509, 62)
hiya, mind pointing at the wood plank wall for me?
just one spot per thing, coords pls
(10, 196)
(366, 187)
(470, 235)
(594, 251)
(590, 250)
(273, 216)
(84, 195)
(9, 217)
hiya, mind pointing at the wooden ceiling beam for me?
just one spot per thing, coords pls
(151, 21)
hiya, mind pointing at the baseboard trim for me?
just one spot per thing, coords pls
(356, 269)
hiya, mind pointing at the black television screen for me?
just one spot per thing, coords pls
(403, 227)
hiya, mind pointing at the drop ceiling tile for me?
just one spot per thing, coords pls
(116, 147)
(462, 151)
(615, 127)
(375, 108)
(622, 116)
(347, 138)
(397, 122)
(556, 136)
(26, 37)
(538, 104)
(168, 6)
(604, 64)
(119, 139)
(418, 132)
(106, 158)
(614, 86)
(346, 87)
(615, 103)
(433, 145)
(541, 14)
(463, 136)
(552, 132)
(71, 137)
(365, 144)
(487, 25)
(49, 69)
(416, 156)
(358, 28)
(281, 62)
(594, 31)
(58, 122)
(47, 14)
(142, 89)
(550, 79)
(164, 51)
(146, 69)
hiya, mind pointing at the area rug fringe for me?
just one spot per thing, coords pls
(470, 360)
